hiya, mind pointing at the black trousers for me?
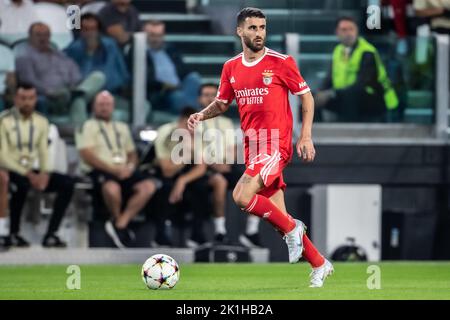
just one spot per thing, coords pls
(356, 105)
(62, 185)
(195, 199)
(232, 177)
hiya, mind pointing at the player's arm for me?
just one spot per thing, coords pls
(293, 80)
(225, 96)
(305, 146)
(216, 108)
(176, 194)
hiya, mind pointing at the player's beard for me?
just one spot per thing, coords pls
(252, 45)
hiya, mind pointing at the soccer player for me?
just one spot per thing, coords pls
(259, 79)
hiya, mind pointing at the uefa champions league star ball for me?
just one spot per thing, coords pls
(160, 272)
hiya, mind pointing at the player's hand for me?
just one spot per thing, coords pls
(43, 179)
(305, 149)
(33, 179)
(321, 98)
(125, 173)
(122, 172)
(194, 119)
(176, 195)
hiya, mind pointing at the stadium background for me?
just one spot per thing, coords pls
(404, 161)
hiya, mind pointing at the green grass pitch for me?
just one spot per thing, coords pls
(399, 280)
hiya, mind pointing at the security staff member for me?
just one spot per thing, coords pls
(4, 182)
(24, 139)
(185, 184)
(110, 159)
(358, 88)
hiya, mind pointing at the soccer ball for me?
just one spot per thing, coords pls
(160, 272)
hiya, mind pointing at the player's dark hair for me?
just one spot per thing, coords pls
(249, 12)
(345, 18)
(206, 85)
(92, 16)
(187, 111)
(25, 86)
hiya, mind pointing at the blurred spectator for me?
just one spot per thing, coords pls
(4, 182)
(223, 176)
(57, 78)
(400, 24)
(24, 139)
(120, 19)
(7, 76)
(399, 7)
(185, 186)
(438, 11)
(171, 85)
(110, 159)
(95, 52)
(67, 2)
(220, 131)
(358, 88)
(16, 17)
(83, 2)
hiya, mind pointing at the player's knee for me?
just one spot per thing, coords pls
(241, 199)
(111, 188)
(218, 181)
(146, 187)
(4, 178)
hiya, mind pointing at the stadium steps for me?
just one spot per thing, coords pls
(82, 256)
(172, 6)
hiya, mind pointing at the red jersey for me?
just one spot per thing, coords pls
(261, 91)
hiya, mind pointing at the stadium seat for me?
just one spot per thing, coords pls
(55, 17)
(19, 47)
(93, 7)
(57, 151)
(7, 55)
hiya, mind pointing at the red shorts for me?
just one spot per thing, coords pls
(270, 168)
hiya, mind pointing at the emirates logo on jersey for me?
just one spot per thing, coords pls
(267, 77)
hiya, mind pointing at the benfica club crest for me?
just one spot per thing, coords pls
(267, 77)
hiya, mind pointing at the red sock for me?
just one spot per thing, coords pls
(263, 207)
(311, 254)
